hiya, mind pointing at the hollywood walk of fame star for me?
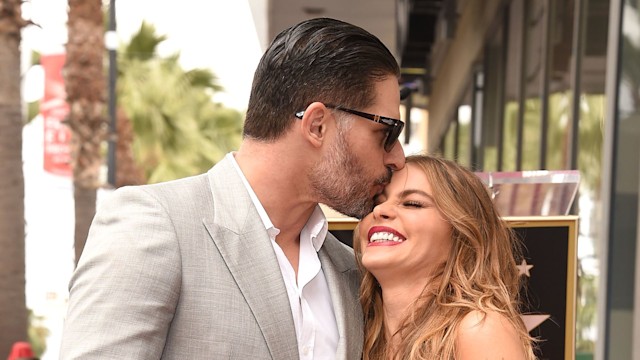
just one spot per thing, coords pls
(533, 321)
(524, 268)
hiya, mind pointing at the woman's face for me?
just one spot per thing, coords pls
(405, 236)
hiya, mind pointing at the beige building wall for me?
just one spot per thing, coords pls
(453, 62)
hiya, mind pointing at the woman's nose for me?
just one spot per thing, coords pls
(383, 211)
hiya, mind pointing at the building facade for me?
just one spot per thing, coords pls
(525, 85)
(554, 85)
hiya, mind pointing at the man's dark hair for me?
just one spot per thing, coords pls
(320, 59)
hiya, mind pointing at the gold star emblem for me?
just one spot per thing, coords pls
(533, 321)
(524, 268)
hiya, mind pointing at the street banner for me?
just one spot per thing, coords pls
(54, 110)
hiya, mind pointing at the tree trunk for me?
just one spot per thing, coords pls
(128, 172)
(85, 85)
(13, 311)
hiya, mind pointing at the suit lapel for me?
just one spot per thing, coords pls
(343, 281)
(239, 234)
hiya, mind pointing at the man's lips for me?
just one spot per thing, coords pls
(383, 181)
(378, 189)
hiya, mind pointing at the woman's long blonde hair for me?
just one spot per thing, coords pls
(480, 273)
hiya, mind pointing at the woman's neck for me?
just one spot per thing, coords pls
(398, 305)
(399, 301)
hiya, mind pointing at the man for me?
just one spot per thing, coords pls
(237, 263)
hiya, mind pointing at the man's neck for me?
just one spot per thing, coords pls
(277, 176)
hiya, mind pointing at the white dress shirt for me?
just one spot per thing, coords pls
(309, 296)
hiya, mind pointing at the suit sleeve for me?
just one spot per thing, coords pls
(124, 292)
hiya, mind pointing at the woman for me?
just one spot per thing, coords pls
(440, 279)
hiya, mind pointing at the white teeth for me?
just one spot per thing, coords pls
(384, 236)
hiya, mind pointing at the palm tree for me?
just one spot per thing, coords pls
(141, 47)
(85, 85)
(128, 172)
(13, 311)
(178, 130)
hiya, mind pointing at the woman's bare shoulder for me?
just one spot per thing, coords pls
(488, 335)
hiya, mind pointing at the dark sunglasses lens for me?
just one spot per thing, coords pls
(394, 134)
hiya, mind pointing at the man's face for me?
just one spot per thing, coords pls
(356, 167)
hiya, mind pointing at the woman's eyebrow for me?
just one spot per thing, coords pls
(407, 192)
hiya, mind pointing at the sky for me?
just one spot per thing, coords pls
(218, 35)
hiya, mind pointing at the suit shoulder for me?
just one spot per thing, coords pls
(183, 187)
(340, 253)
(190, 190)
(336, 245)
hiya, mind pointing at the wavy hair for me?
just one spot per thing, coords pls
(319, 59)
(479, 274)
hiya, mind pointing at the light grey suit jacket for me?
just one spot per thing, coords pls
(186, 270)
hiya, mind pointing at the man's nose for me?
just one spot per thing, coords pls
(395, 158)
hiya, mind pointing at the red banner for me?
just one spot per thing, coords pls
(54, 110)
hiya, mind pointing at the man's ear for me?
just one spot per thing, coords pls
(314, 123)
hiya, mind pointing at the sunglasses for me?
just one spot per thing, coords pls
(394, 126)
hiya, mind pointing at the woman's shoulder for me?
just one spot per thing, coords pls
(488, 335)
(477, 322)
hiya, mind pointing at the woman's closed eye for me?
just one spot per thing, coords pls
(414, 204)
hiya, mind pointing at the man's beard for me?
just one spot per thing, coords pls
(341, 182)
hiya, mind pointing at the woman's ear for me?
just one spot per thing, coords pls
(314, 123)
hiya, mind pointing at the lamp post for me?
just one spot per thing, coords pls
(111, 44)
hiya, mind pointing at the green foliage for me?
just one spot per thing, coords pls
(586, 315)
(202, 78)
(510, 129)
(631, 67)
(179, 130)
(35, 57)
(38, 334)
(143, 44)
(33, 109)
(464, 142)
(591, 135)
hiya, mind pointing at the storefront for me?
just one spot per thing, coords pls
(527, 85)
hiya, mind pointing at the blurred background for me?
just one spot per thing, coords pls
(97, 95)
